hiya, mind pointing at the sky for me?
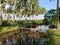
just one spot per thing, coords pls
(48, 4)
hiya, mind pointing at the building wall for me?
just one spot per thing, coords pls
(32, 17)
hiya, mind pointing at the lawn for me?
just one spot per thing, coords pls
(54, 37)
(6, 29)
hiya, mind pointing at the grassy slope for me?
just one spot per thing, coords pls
(5, 29)
(54, 37)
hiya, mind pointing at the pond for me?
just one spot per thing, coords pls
(42, 28)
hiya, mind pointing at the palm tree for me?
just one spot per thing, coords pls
(2, 9)
(0, 18)
(8, 11)
(0, 14)
(14, 11)
(57, 15)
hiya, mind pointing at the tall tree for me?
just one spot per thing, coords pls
(57, 16)
(50, 17)
(2, 9)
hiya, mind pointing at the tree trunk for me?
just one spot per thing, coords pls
(8, 18)
(15, 3)
(13, 18)
(57, 14)
(0, 19)
(13, 15)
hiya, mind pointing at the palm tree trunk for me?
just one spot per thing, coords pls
(15, 3)
(20, 11)
(0, 19)
(0, 13)
(57, 14)
(14, 7)
(8, 18)
(13, 19)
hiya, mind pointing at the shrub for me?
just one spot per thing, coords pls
(6, 23)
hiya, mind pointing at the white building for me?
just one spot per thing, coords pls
(22, 17)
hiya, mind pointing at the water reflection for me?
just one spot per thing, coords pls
(42, 28)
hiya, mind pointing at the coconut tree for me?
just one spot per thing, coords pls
(14, 10)
(2, 9)
(8, 11)
(0, 18)
(0, 14)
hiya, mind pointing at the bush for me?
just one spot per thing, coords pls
(6, 23)
(46, 22)
(29, 23)
(25, 23)
(52, 26)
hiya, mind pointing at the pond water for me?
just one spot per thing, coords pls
(41, 42)
(42, 28)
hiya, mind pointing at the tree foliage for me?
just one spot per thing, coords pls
(25, 6)
(50, 17)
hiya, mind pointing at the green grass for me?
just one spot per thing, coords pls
(54, 37)
(6, 29)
